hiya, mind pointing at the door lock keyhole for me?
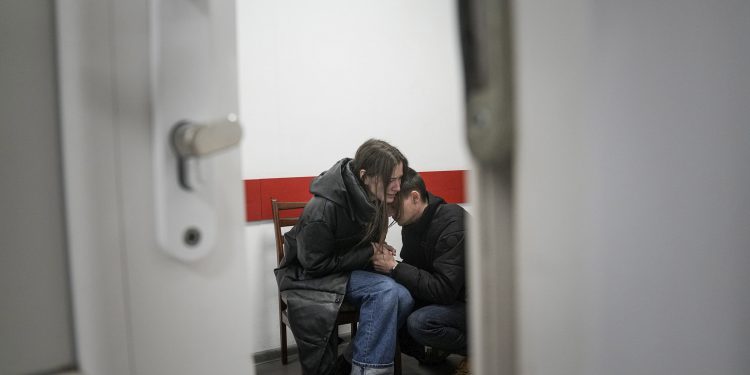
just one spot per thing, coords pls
(192, 236)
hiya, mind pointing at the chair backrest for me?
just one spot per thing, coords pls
(280, 222)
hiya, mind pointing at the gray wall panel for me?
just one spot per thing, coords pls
(35, 321)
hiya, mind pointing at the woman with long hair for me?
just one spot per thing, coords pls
(327, 255)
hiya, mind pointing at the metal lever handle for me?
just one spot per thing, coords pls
(190, 140)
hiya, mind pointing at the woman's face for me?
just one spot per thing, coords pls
(391, 190)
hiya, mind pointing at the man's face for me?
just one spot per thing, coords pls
(409, 209)
(394, 184)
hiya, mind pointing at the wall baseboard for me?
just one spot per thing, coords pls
(271, 355)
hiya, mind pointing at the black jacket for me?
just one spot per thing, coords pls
(320, 253)
(433, 267)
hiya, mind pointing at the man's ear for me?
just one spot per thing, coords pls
(415, 196)
(361, 174)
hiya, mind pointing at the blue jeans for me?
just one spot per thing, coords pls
(383, 307)
(440, 326)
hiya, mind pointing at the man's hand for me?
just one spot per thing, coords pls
(385, 247)
(383, 257)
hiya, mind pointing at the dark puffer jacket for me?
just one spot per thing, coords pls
(433, 252)
(320, 253)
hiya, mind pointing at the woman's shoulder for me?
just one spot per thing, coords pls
(320, 209)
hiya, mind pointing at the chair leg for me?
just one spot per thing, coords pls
(284, 359)
(397, 360)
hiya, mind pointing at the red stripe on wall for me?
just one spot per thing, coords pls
(446, 184)
(258, 193)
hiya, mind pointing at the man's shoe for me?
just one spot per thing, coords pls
(424, 354)
(463, 367)
(433, 356)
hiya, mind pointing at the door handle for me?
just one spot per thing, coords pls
(186, 196)
(196, 166)
(194, 140)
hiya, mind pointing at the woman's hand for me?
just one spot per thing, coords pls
(385, 247)
(383, 258)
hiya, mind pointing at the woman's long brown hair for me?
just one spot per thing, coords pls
(378, 159)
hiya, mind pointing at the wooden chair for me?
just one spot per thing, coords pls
(348, 314)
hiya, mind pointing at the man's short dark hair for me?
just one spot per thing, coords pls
(410, 182)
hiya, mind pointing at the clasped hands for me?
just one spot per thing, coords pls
(383, 257)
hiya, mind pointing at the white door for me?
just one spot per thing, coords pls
(158, 272)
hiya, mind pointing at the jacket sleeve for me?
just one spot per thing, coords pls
(318, 255)
(443, 285)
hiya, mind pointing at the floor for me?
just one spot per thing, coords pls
(409, 366)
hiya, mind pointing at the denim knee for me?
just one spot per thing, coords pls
(404, 294)
(405, 302)
(395, 294)
(418, 325)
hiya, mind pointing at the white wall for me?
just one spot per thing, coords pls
(319, 78)
(633, 180)
(324, 76)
